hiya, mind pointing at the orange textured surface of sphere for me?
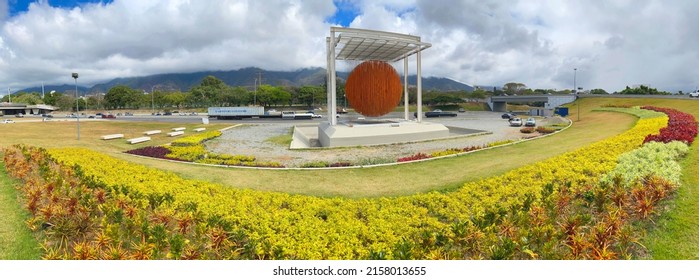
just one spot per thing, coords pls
(373, 88)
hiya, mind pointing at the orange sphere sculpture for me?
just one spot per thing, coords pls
(373, 88)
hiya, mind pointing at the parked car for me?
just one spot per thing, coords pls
(110, 116)
(515, 122)
(8, 121)
(694, 93)
(508, 116)
(530, 122)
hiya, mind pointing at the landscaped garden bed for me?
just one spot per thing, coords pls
(559, 208)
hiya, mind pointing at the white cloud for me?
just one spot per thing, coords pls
(487, 42)
(132, 37)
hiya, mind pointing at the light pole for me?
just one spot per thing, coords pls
(575, 89)
(77, 105)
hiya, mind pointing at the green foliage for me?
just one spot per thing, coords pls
(316, 164)
(122, 96)
(514, 88)
(500, 143)
(374, 161)
(26, 98)
(643, 114)
(311, 95)
(598, 91)
(643, 90)
(654, 158)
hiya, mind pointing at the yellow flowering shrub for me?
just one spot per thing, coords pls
(482, 219)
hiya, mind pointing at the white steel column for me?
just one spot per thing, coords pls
(332, 85)
(327, 79)
(405, 88)
(419, 85)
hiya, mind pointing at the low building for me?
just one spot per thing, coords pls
(7, 109)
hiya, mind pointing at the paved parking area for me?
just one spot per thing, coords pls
(253, 139)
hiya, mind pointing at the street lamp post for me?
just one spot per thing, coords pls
(77, 104)
(575, 89)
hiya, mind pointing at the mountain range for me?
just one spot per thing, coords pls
(245, 77)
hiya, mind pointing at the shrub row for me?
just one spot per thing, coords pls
(654, 158)
(681, 127)
(196, 138)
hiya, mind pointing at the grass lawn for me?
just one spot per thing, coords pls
(444, 174)
(16, 240)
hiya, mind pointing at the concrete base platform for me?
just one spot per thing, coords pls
(366, 134)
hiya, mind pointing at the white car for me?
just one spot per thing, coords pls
(8, 121)
(515, 122)
(694, 94)
(530, 122)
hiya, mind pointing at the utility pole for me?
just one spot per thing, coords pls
(9, 95)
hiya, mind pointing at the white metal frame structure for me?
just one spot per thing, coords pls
(362, 45)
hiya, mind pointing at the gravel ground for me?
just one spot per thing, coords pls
(252, 140)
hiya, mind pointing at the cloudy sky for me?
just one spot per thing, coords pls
(612, 43)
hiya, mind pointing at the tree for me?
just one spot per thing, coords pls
(210, 91)
(64, 102)
(598, 91)
(478, 94)
(513, 88)
(52, 98)
(27, 98)
(643, 90)
(176, 99)
(310, 95)
(121, 96)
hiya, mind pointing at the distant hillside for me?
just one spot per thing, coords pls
(246, 77)
(61, 88)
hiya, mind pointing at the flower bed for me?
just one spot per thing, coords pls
(681, 127)
(191, 149)
(554, 209)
